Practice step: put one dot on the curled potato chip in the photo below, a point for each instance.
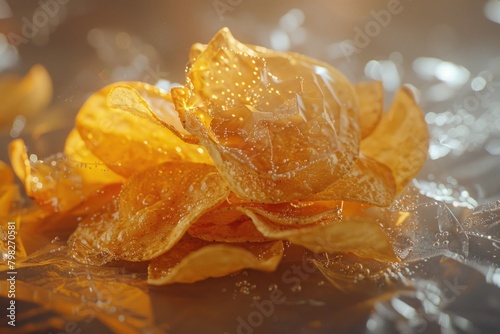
(56, 183)
(150, 102)
(157, 206)
(371, 105)
(25, 96)
(229, 223)
(87, 242)
(284, 134)
(401, 139)
(9, 192)
(193, 260)
(351, 234)
(297, 213)
(119, 127)
(279, 126)
(369, 182)
(226, 224)
(97, 172)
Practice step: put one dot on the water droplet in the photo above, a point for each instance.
(148, 200)
(358, 267)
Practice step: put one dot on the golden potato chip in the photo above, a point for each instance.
(25, 96)
(96, 171)
(351, 234)
(371, 105)
(19, 160)
(150, 102)
(193, 260)
(96, 200)
(226, 224)
(369, 182)
(87, 242)
(241, 230)
(39, 227)
(55, 183)
(123, 137)
(279, 126)
(401, 139)
(157, 206)
(314, 225)
(298, 212)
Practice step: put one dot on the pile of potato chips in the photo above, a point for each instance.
(258, 149)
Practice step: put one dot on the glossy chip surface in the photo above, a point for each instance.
(156, 207)
(226, 224)
(279, 126)
(119, 127)
(55, 183)
(350, 234)
(369, 182)
(258, 150)
(401, 139)
(192, 260)
(371, 105)
(96, 171)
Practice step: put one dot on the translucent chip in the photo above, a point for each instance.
(226, 224)
(55, 183)
(371, 105)
(118, 126)
(93, 170)
(401, 139)
(150, 102)
(279, 126)
(193, 260)
(368, 182)
(351, 234)
(298, 212)
(88, 242)
(157, 206)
